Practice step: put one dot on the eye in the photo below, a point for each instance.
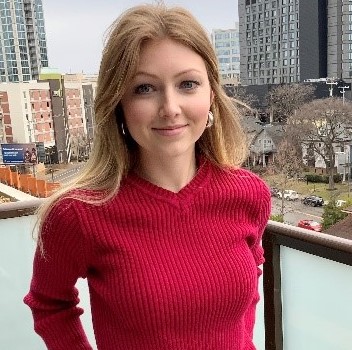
(143, 89)
(189, 84)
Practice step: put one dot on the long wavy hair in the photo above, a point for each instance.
(113, 154)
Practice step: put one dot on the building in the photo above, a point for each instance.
(339, 41)
(227, 48)
(26, 113)
(23, 50)
(282, 41)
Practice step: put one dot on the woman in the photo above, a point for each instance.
(163, 223)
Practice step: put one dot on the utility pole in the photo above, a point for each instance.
(331, 82)
(264, 162)
(343, 88)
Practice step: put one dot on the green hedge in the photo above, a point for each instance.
(323, 178)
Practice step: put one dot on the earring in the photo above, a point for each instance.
(210, 121)
(123, 129)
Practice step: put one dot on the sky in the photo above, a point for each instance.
(75, 29)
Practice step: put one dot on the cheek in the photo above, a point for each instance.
(199, 113)
(137, 113)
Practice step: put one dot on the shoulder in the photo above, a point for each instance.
(242, 178)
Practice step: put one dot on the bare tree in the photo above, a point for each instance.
(285, 99)
(286, 165)
(244, 101)
(321, 126)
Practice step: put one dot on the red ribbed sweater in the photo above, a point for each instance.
(166, 271)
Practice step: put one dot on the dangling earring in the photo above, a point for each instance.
(123, 129)
(210, 121)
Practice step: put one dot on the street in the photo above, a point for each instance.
(295, 211)
(66, 174)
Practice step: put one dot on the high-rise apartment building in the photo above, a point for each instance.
(283, 41)
(339, 23)
(227, 47)
(23, 50)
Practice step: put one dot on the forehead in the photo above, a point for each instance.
(168, 52)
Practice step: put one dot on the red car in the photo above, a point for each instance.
(310, 225)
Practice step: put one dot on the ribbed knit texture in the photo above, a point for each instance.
(166, 271)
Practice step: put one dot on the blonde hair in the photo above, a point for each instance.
(113, 154)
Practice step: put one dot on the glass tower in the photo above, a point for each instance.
(227, 48)
(23, 50)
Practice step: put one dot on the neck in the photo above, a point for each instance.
(170, 174)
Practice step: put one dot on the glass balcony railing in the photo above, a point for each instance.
(307, 290)
(306, 287)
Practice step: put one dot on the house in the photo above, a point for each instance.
(265, 144)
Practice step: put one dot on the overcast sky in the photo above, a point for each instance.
(75, 28)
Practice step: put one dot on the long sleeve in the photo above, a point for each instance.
(264, 209)
(53, 297)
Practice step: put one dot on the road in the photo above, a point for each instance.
(295, 211)
(65, 175)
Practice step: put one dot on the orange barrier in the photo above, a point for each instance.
(15, 179)
(24, 182)
(5, 175)
(28, 183)
(41, 188)
(52, 187)
(3, 172)
(32, 186)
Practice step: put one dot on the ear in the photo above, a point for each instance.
(212, 96)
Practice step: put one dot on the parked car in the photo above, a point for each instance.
(310, 225)
(313, 201)
(290, 195)
(340, 203)
(274, 191)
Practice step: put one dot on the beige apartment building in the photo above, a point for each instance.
(26, 113)
(56, 110)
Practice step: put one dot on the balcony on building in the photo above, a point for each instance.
(306, 287)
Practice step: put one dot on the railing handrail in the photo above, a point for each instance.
(321, 238)
(19, 208)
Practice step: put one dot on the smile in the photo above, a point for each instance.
(170, 130)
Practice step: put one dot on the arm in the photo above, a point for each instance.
(263, 210)
(53, 297)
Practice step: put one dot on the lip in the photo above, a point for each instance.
(171, 130)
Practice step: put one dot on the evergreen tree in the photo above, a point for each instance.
(332, 214)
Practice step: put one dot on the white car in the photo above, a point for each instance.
(340, 203)
(289, 195)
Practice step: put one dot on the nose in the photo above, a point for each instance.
(169, 104)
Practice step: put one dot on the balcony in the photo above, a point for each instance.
(306, 287)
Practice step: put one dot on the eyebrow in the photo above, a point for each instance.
(191, 70)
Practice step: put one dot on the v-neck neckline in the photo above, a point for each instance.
(179, 198)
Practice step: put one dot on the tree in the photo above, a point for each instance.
(285, 99)
(332, 214)
(244, 101)
(287, 165)
(320, 126)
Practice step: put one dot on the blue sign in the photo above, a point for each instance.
(19, 153)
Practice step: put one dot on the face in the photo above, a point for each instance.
(167, 102)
